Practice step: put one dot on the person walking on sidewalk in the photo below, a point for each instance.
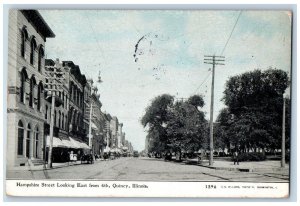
(236, 157)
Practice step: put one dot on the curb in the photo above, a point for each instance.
(245, 169)
(228, 168)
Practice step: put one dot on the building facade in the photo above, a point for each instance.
(76, 108)
(27, 33)
(119, 135)
(114, 124)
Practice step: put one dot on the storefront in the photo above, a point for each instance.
(65, 150)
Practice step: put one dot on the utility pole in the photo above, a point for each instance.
(285, 96)
(91, 110)
(55, 83)
(283, 135)
(214, 60)
(91, 117)
(90, 121)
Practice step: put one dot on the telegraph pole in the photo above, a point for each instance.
(283, 135)
(90, 123)
(91, 110)
(55, 83)
(51, 129)
(214, 60)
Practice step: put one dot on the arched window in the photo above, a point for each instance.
(66, 122)
(75, 96)
(62, 121)
(79, 99)
(63, 99)
(20, 138)
(22, 85)
(32, 49)
(46, 112)
(24, 36)
(66, 98)
(28, 140)
(40, 57)
(31, 92)
(39, 98)
(59, 118)
(36, 143)
(71, 90)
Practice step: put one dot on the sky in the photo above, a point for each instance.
(145, 53)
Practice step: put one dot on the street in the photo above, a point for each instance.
(148, 169)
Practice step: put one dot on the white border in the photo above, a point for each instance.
(183, 3)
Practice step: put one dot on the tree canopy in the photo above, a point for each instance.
(253, 116)
(176, 125)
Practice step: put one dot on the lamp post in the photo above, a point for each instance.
(285, 96)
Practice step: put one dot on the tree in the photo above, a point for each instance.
(187, 127)
(156, 117)
(175, 126)
(254, 103)
(221, 136)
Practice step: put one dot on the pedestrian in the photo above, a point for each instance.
(236, 157)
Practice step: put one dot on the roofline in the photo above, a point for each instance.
(49, 32)
(47, 26)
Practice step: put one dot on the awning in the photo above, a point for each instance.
(78, 145)
(75, 144)
(117, 150)
(56, 142)
(67, 143)
(84, 146)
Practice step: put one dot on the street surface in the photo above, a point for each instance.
(148, 169)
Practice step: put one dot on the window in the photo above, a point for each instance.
(62, 121)
(28, 140)
(24, 36)
(22, 85)
(23, 43)
(39, 99)
(32, 49)
(36, 143)
(63, 99)
(20, 138)
(46, 112)
(59, 119)
(66, 122)
(40, 57)
(31, 92)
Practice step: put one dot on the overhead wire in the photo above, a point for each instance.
(237, 19)
(204, 80)
(97, 42)
(228, 39)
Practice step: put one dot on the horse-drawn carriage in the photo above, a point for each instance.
(87, 158)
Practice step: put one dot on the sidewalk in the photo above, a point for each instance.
(38, 172)
(261, 166)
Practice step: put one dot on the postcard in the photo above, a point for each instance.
(149, 103)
